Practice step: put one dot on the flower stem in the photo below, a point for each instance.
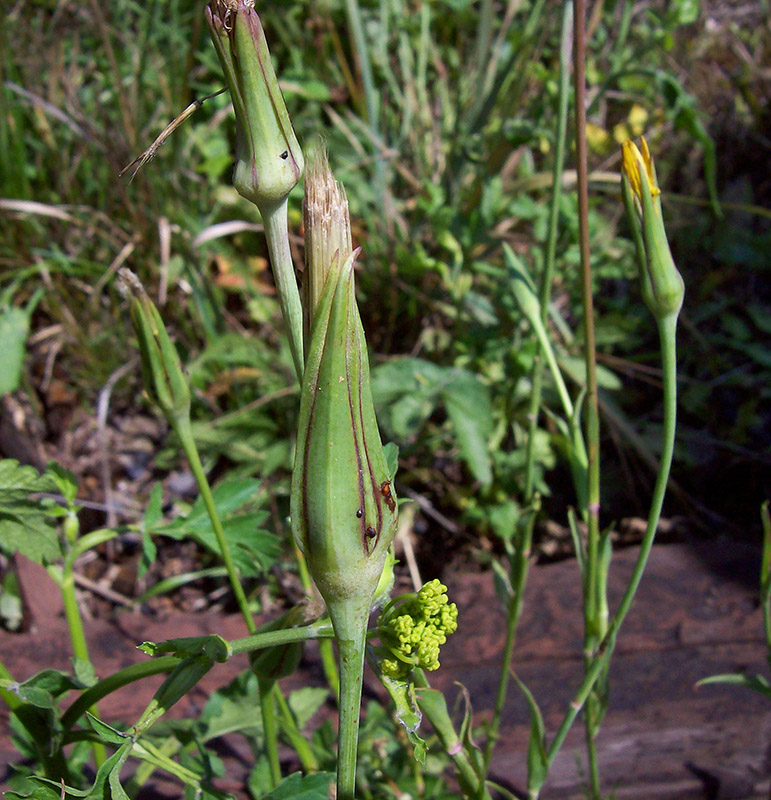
(276, 224)
(349, 619)
(184, 431)
(351, 654)
(66, 580)
(667, 331)
(520, 562)
(269, 730)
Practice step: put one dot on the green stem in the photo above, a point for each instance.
(304, 751)
(114, 682)
(667, 331)
(349, 618)
(593, 600)
(514, 613)
(436, 714)
(275, 221)
(161, 664)
(268, 712)
(521, 560)
(351, 652)
(66, 580)
(551, 238)
(765, 575)
(184, 431)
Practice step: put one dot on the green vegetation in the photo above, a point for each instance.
(509, 346)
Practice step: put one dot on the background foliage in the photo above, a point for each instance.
(445, 160)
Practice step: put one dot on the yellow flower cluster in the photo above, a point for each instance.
(414, 627)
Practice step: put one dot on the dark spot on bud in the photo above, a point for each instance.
(285, 155)
(385, 490)
(359, 513)
(371, 532)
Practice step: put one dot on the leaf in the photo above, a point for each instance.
(14, 328)
(407, 391)
(232, 709)
(407, 713)
(84, 672)
(152, 518)
(11, 606)
(104, 778)
(391, 452)
(253, 548)
(107, 733)
(467, 401)
(42, 689)
(212, 646)
(297, 787)
(755, 682)
(65, 482)
(306, 702)
(502, 583)
(24, 527)
(37, 792)
(537, 762)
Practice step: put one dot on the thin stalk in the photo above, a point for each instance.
(118, 680)
(765, 575)
(592, 583)
(184, 431)
(522, 560)
(161, 664)
(258, 641)
(667, 337)
(544, 293)
(300, 744)
(269, 729)
(519, 570)
(453, 746)
(276, 223)
(351, 654)
(66, 581)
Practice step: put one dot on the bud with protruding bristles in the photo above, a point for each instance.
(269, 161)
(327, 232)
(343, 507)
(164, 377)
(661, 284)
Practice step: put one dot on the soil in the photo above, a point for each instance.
(696, 615)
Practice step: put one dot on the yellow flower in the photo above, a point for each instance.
(661, 284)
(633, 162)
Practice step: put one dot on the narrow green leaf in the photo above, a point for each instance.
(14, 328)
(537, 762)
(107, 733)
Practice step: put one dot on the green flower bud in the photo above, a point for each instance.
(413, 627)
(164, 378)
(661, 284)
(269, 161)
(342, 505)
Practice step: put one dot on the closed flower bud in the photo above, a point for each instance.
(343, 506)
(269, 161)
(661, 284)
(164, 378)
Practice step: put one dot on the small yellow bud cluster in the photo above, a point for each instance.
(413, 628)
